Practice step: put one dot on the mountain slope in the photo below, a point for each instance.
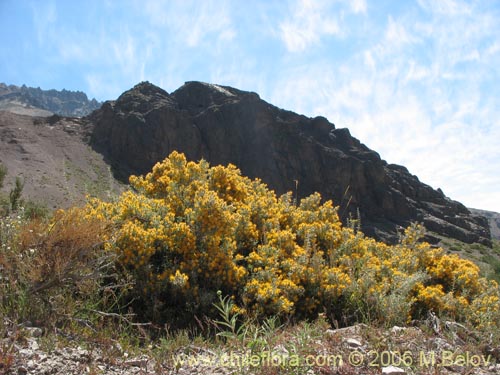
(289, 152)
(37, 102)
(51, 156)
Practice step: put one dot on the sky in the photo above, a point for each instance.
(417, 81)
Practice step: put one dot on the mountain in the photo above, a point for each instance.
(38, 102)
(288, 151)
(493, 219)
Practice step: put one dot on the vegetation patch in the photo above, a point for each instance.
(195, 259)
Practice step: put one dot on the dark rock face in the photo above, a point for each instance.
(63, 103)
(225, 125)
(493, 219)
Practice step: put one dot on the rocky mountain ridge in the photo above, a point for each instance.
(288, 151)
(38, 102)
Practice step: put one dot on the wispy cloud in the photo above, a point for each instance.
(358, 6)
(307, 24)
(43, 18)
(192, 21)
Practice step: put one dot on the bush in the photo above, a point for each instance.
(51, 270)
(186, 230)
(34, 210)
(3, 173)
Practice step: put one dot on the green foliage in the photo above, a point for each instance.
(229, 327)
(494, 263)
(35, 210)
(3, 173)
(15, 194)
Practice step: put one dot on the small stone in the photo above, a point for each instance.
(26, 353)
(392, 370)
(31, 364)
(280, 350)
(353, 343)
(137, 362)
(397, 329)
(22, 370)
(33, 344)
(34, 331)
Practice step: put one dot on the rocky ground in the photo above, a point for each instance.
(433, 348)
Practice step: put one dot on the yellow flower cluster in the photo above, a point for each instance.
(193, 229)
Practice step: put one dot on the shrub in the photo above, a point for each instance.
(186, 230)
(3, 173)
(15, 194)
(51, 269)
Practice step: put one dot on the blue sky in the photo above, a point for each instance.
(418, 81)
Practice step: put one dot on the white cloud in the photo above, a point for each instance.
(397, 35)
(44, 17)
(191, 21)
(447, 7)
(306, 25)
(358, 6)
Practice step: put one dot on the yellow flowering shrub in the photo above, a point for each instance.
(186, 230)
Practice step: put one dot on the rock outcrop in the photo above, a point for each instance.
(493, 219)
(289, 152)
(37, 102)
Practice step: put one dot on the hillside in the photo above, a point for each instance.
(37, 102)
(288, 151)
(51, 156)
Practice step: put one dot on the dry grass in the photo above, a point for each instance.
(49, 268)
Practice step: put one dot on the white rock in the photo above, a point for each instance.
(392, 370)
(280, 350)
(353, 343)
(397, 329)
(31, 364)
(33, 344)
(26, 352)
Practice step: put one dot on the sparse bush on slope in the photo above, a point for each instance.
(186, 230)
(52, 271)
